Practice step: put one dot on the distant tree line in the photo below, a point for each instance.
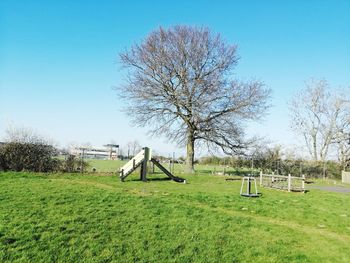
(271, 160)
(27, 151)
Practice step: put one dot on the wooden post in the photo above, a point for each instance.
(248, 185)
(147, 153)
(143, 171)
(122, 175)
(289, 182)
(303, 182)
(146, 157)
(261, 178)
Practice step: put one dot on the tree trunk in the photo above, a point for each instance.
(190, 152)
(324, 169)
(314, 147)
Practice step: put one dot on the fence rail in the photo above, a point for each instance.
(283, 182)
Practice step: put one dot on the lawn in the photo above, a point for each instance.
(112, 166)
(97, 218)
(105, 166)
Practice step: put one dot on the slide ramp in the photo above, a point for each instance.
(164, 170)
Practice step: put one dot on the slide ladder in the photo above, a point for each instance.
(133, 164)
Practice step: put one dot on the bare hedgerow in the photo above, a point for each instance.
(26, 150)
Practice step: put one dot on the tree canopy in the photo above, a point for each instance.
(180, 83)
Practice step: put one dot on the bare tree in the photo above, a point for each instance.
(180, 82)
(133, 147)
(342, 135)
(343, 148)
(25, 135)
(121, 152)
(320, 116)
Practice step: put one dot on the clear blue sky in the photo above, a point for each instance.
(58, 59)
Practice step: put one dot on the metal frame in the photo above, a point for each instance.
(249, 180)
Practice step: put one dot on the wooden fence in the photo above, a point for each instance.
(345, 177)
(283, 182)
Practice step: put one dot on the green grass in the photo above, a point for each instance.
(105, 166)
(112, 166)
(94, 218)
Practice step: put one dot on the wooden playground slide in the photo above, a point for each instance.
(141, 159)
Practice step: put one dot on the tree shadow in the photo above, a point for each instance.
(151, 179)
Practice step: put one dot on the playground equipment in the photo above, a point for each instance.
(140, 160)
(248, 180)
(283, 182)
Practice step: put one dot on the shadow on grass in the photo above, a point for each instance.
(243, 173)
(230, 173)
(152, 179)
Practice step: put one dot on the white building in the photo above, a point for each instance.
(94, 153)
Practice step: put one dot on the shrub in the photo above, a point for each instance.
(3, 166)
(34, 157)
(72, 164)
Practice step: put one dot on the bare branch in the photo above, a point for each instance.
(179, 82)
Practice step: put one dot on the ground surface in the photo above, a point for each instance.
(95, 218)
(337, 189)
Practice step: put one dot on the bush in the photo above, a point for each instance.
(34, 157)
(72, 164)
(3, 166)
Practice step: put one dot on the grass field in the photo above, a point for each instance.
(105, 166)
(95, 218)
(112, 166)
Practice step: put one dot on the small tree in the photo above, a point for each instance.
(73, 164)
(180, 82)
(70, 163)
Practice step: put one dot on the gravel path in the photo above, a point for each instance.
(336, 189)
